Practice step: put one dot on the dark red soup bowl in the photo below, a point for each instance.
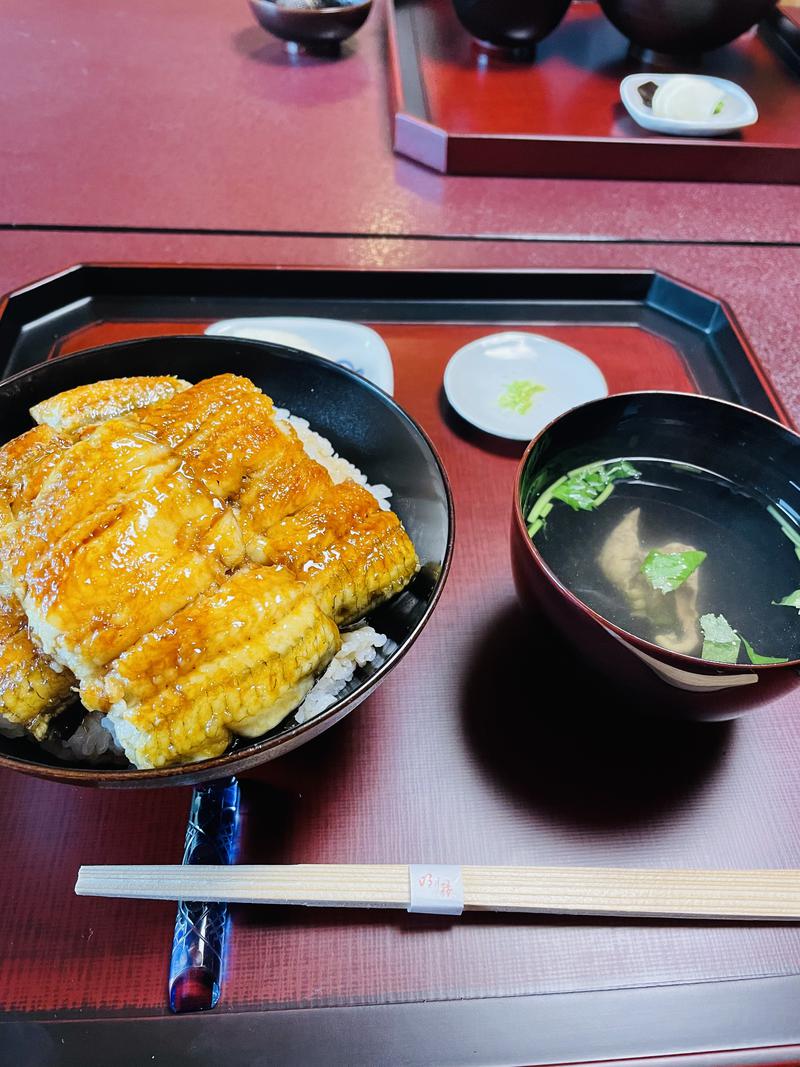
(739, 452)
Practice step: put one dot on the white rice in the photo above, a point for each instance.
(122, 732)
(95, 739)
(359, 647)
(92, 743)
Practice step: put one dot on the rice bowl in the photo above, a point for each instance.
(385, 441)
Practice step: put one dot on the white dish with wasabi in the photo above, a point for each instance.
(687, 105)
(512, 384)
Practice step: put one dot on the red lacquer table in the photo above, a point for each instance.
(177, 115)
(177, 132)
(459, 756)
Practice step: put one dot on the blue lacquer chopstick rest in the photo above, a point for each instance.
(198, 946)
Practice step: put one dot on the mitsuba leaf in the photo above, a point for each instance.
(754, 657)
(721, 643)
(587, 488)
(790, 601)
(667, 571)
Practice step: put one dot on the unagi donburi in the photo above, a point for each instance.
(184, 558)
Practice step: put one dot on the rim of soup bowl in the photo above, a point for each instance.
(695, 663)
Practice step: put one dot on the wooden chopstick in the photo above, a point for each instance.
(683, 894)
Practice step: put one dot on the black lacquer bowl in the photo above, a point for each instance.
(749, 450)
(363, 424)
(319, 28)
(684, 27)
(512, 26)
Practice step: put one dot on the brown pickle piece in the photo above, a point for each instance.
(647, 90)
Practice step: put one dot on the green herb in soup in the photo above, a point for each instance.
(790, 601)
(665, 571)
(589, 487)
(673, 554)
(754, 657)
(790, 531)
(583, 489)
(721, 643)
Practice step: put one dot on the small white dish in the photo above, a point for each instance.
(739, 111)
(513, 384)
(350, 344)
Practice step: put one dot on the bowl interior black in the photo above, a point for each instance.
(363, 424)
(749, 449)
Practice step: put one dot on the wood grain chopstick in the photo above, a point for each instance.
(609, 891)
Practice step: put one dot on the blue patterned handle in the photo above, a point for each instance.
(198, 947)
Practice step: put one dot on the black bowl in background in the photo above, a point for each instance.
(320, 28)
(363, 424)
(750, 450)
(514, 26)
(684, 27)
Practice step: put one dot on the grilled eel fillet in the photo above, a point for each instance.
(335, 538)
(119, 537)
(33, 687)
(349, 554)
(122, 562)
(32, 692)
(100, 401)
(235, 661)
(226, 433)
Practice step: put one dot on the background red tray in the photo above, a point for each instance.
(464, 755)
(562, 117)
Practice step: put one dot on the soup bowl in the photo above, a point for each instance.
(751, 452)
